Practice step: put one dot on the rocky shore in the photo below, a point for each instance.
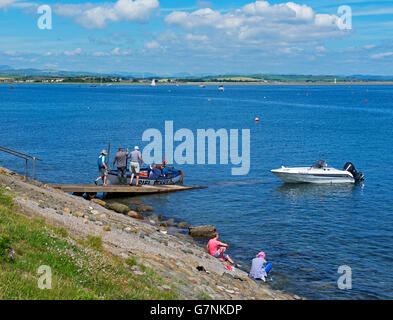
(130, 232)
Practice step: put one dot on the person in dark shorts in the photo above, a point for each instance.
(121, 159)
(102, 167)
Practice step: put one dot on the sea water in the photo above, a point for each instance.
(307, 231)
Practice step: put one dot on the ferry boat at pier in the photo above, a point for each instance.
(174, 176)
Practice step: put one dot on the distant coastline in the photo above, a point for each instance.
(232, 83)
(37, 76)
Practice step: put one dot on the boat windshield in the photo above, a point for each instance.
(320, 164)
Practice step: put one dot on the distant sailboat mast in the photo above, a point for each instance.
(221, 86)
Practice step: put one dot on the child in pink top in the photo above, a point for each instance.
(213, 248)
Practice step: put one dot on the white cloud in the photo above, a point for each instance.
(260, 21)
(369, 46)
(75, 52)
(167, 36)
(152, 45)
(320, 49)
(97, 17)
(100, 54)
(326, 20)
(382, 55)
(115, 51)
(10, 53)
(196, 37)
(6, 3)
(201, 17)
(384, 11)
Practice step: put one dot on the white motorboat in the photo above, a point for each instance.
(319, 173)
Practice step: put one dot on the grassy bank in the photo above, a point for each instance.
(81, 269)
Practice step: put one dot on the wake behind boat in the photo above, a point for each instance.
(173, 176)
(319, 173)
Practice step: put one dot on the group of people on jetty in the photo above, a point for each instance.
(259, 266)
(121, 159)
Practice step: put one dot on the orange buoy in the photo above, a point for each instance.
(256, 119)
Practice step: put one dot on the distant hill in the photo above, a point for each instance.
(6, 70)
(376, 78)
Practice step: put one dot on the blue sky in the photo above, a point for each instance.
(200, 37)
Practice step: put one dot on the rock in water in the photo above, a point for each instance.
(183, 225)
(143, 208)
(202, 231)
(170, 222)
(135, 215)
(118, 207)
(98, 201)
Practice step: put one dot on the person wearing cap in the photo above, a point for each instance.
(259, 267)
(135, 157)
(102, 167)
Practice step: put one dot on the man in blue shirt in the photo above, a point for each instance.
(102, 167)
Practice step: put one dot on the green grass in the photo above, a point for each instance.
(94, 242)
(204, 296)
(80, 269)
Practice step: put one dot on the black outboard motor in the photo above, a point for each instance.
(358, 176)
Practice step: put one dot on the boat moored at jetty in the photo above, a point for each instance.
(174, 176)
(320, 172)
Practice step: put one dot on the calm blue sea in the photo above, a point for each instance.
(306, 231)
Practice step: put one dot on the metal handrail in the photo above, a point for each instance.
(20, 155)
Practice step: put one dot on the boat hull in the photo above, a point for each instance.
(113, 179)
(313, 177)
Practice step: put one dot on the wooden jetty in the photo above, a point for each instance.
(146, 189)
